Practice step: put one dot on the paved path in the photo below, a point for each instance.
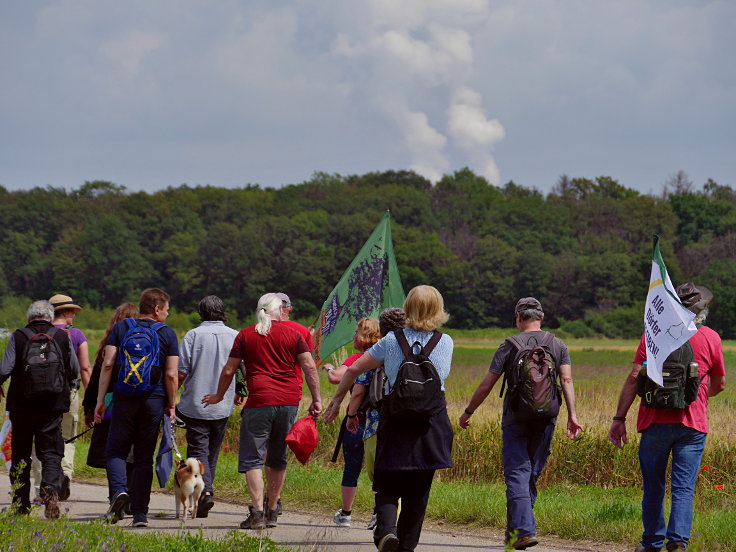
(302, 531)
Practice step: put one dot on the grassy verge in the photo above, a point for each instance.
(27, 534)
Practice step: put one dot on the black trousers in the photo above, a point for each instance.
(412, 487)
(204, 439)
(43, 428)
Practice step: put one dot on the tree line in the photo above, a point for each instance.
(584, 249)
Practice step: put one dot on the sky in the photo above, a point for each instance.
(233, 92)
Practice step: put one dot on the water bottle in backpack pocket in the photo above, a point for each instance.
(680, 381)
(43, 365)
(138, 359)
(533, 392)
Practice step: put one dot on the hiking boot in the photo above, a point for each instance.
(389, 543)
(372, 523)
(51, 501)
(255, 520)
(679, 545)
(140, 520)
(117, 506)
(527, 541)
(279, 510)
(206, 502)
(65, 488)
(343, 520)
(641, 548)
(272, 518)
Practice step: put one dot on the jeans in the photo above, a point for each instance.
(526, 447)
(686, 446)
(204, 439)
(135, 421)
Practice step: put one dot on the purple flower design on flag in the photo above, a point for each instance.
(365, 286)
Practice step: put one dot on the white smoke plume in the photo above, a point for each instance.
(413, 54)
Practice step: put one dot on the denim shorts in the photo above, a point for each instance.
(263, 433)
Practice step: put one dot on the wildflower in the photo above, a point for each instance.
(719, 487)
(705, 468)
(226, 448)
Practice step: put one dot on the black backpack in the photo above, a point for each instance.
(43, 365)
(417, 392)
(532, 379)
(680, 379)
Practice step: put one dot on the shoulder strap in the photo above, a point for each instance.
(131, 323)
(52, 332)
(547, 340)
(27, 332)
(515, 340)
(403, 343)
(432, 343)
(157, 326)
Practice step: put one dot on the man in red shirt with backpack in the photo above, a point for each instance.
(680, 433)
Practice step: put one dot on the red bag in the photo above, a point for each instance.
(303, 438)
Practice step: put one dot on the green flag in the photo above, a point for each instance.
(370, 284)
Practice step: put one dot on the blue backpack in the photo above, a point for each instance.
(138, 355)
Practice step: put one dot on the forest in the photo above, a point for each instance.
(584, 249)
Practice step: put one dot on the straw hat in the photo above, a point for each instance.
(62, 302)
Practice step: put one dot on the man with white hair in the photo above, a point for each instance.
(270, 350)
(38, 362)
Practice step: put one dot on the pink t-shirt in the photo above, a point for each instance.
(708, 353)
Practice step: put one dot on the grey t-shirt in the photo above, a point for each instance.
(505, 356)
(202, 356)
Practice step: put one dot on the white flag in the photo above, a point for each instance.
(667, 324)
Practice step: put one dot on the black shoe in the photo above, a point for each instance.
(255, 520)
(279, 509)
(389, 543)
(140, 520)
(206, 502)
(117, 507)
(65, 488)
(51, 501)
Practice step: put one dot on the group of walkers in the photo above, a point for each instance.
(396, 423)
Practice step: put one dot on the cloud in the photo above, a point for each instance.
(129, 49)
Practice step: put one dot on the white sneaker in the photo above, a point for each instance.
(341, 519)
(372, 523)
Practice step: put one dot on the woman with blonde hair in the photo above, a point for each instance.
(408, 452)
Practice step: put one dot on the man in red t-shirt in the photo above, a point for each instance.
(270, 349)
(680, 433)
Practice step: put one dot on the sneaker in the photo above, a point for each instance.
(372, 523)
(389, 543)
(206, 502)
(641, 548)
(52, 506)
(140, 520)
(527, 541)
(272, 518)
(65, 488)
(341, 519)
(255, 520)
(679, 545)
(117, 506)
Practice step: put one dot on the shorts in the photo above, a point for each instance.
(263, 433)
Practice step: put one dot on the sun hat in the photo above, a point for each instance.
(695, 298)
(61, 302)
